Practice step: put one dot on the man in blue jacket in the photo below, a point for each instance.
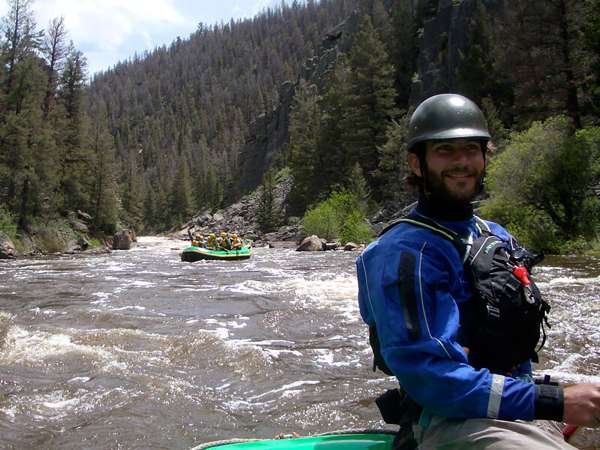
(416, 296)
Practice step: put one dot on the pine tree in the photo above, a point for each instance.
(305, 118)
(54, 50)
(266, 213)
(76, 177)
(133, 190)
(335, 166)
(181, 195)
(357, 186)
(20, 137)
(21, 40)
(393, 167)
(105, 193)
(152, 221)
(371, 103)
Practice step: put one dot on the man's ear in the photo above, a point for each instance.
(414, 163)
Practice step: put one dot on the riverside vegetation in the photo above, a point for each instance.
(153, 139)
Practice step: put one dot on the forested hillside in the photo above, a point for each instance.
(180, 115)
(156, 138)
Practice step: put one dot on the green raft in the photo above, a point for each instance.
(193, 253)
(343, 440)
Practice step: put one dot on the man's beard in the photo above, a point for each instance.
(437, 190)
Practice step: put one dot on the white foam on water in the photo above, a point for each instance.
(567, 377)
(241, 405)
(284, 388)
(234, 325)
(251, 287)
(338, 293)
(133, 307)
(569, 361)
(56, 400)
(221, 333)
(291, 394)
(114, 266)
(272, 353)
(326, 357)
(194, 289)
(31, 348)
(46, 312)
(140, 283)
(566, 280)
(266, 342)
(102, 298)
(79, 380)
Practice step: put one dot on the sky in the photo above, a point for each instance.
(109, 31)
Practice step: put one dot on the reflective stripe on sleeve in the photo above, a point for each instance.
(495, 396)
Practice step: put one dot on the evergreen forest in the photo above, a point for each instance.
(153, 140)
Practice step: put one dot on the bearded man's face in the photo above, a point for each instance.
(455, 169)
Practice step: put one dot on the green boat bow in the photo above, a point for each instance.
(350, 440)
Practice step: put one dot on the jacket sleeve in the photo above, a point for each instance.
(407, 295)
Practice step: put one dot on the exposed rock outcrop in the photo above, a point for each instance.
(270, 134)
(241, 217)
(7, 248)
(442, 44)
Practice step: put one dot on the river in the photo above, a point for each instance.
(135, 349)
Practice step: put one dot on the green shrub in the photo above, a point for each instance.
(532, 227)
(540, 186)
(322, 220)
(95, 243)
(355, 229)
(341, 217)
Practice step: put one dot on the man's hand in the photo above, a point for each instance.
(582, 404)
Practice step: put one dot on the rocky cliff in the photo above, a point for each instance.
(442, 40)
(269, 135)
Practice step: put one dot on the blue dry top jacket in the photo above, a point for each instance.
(411, 283)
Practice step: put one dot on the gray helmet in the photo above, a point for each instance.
(446, 116)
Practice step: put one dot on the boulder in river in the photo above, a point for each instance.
(351, 246)
(311, 244)
(124, 240)
(332, 245)
(7, 248)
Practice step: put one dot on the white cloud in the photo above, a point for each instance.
(108, 31)
(110, 23)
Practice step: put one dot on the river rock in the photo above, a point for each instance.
(331, 245)
(311, 244)
(124, 240)
(7, 248)
(351, 246)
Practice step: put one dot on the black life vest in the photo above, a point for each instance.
(501, 326)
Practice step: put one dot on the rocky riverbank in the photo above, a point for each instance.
(70, 235)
